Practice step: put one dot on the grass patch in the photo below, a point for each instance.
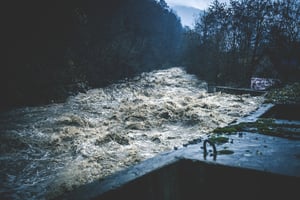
(219, 139)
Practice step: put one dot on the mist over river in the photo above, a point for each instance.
(51, 149)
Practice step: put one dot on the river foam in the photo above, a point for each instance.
(48, 150)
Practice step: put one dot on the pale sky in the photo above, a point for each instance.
(188, 17)
(200, 4)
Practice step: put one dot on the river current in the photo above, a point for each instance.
(51, 149)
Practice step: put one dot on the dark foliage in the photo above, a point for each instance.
(233, 42)
(56, 47)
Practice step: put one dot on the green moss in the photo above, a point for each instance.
(227, 129)
(263, 126)
(287, 94)
(225, 152)
(265, 121)
(266, 126)
(219, 139)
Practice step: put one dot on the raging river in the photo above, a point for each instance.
(50, 149)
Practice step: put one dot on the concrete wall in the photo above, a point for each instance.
(188, 179)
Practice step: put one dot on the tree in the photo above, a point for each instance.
(234, 38)
(54, 46)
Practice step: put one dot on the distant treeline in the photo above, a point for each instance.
(57, 47)
(232, 42)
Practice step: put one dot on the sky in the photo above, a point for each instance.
(200, 4)
(187, 10)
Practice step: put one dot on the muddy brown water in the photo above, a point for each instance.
(48, 150)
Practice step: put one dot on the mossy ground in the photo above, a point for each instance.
(217, 139)
(225, 152)
(263, 126)
(289, 94)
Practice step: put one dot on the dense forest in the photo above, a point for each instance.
(55, 48)
(230, 43)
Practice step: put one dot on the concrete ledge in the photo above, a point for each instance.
(239, 91)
